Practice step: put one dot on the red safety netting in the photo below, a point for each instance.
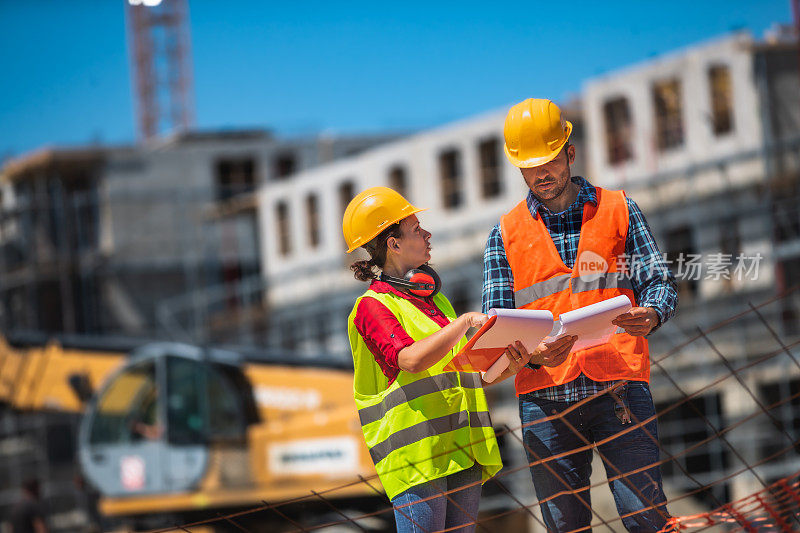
(774, 508)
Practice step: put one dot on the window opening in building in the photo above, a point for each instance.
(450, 174)
(285, 164)
(312, 220)
(669, 114)
(684, 261)
(719, 82)
(490, 168)
(398, 180)
(787, 415)
(284, 236)
(234, 177)
(619, 130)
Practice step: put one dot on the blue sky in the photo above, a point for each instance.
(302, 67)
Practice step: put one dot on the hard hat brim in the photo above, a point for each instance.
(406, 214)
(539, 161)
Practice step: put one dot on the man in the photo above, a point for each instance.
(571, 244)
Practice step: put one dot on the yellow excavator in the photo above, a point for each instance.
(190, 432)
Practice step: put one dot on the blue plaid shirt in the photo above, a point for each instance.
(653, 283)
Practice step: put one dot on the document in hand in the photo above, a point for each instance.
(592, 324)
(485, 350)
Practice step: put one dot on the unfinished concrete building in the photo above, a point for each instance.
(95, 239)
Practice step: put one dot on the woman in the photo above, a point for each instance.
(428, 430)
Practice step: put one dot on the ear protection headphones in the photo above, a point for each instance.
(422, 281)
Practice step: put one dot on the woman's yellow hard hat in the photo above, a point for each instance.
(535, 132)
(371, 212)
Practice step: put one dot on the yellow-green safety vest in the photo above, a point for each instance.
(425, 425)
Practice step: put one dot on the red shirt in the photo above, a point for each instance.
(382, 332)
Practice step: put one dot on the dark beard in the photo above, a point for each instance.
(556, 195)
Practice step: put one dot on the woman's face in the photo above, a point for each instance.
(413, 246)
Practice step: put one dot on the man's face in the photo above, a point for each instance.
(548, 181)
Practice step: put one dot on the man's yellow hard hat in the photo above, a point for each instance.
(371, 212)
(535, 132)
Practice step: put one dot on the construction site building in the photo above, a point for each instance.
(95, 239)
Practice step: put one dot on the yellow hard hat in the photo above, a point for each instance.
(535, 132)
(371, 212)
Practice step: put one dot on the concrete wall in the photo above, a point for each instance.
(161, 230)
(690, 67)
(160, 196)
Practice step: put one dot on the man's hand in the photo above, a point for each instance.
(553, 353)
(639, 321)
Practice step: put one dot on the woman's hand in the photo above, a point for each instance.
(518, 357)
(474, 320)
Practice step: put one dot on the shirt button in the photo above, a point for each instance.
(433, 312)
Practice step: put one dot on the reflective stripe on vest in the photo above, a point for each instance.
(406, 393)
(559, 283)
(428, 428)
(425, 425)
(543, 281)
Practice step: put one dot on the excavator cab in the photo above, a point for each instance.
(152, 426)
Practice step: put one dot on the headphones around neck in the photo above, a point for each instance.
(422, 281)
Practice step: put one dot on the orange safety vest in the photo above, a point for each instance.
(543, 281)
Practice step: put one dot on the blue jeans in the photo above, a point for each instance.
(595, 420)
(436, 514)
